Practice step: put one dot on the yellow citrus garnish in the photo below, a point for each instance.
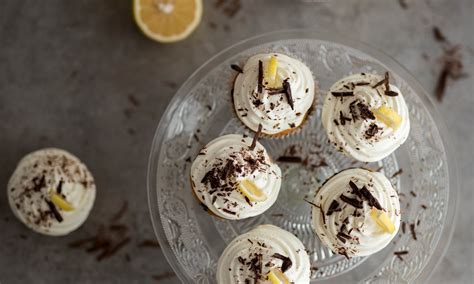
(381, 218)
(388, 116)
(276, 276)
(251, 191)
(167, 20)
(60, 202)
(271, 71)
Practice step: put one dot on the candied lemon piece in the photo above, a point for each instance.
(61, 203)
(381, 218)
(251, 191)
(272, 70)
(388, 116)
(167, 21)
(276, 276)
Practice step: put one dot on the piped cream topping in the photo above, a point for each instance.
(271, 106)
(350, 117)
(227, 173)
(251, 257)
(51, 192)
(342, 212)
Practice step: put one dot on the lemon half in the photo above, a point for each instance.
(167, 20)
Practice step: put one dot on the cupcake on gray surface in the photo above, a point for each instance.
(51, 192)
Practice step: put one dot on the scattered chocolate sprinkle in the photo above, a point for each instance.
(289, 159)
(55, 211)
(370, 198)
(371, 131)
(241, 260)
(255, 137)
(351, 201)
(260, 77)
(387, 81)
(399, 254)
(133, 100)
(276, 91)
(149, 244)
(343, 94)
(336, 123)
(362, 84)
(413, 232)
(403, 4)
(163, 276)
(287, 263)
(391, 93)
(80, 243)
(228, 211)
(452, 69)
(114, 249)
(236, 68)
(312, 204)
(438, 35)
(423, 206)
(120, 213)
(412, 193)
(332, 207)
(379, 83)
(343, 237)
(342, 118)
(277, 215)
(403, 227)
(289, 97)
(59, 188)
(355, 189)
(397, 173)
(364, 111)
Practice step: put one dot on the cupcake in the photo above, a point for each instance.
(356, 212)
(234, 178)
(266, 254)
(273, 90)
(51, 192)
(365, 117)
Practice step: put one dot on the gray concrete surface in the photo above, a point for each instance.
(67, 69)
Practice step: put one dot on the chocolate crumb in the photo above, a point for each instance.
(236, 68)
(403, 227)
(413, 232)
(255, 137)
(397, 173)
(412, 193)
(289, 97)
(260, 77)
(55, 211)
(438, 35)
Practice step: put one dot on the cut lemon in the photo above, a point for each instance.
(276, 276)
(167, 20)
(271, 71)
(251, 191)
(388, 117)
(61, 203)
(381, 218)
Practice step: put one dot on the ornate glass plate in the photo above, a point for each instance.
(192, 240)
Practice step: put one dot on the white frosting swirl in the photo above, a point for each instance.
(39, 174)
(273, 111)
(234, 264)
(221, 194)
(350, 137)
(366, 236)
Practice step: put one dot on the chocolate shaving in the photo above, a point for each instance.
(391, 93)
(387, 81)
(113, 250)
(236, 68)
(397, 173)
(343, 94)
(351, 201)
(55, 211)
(260, 77)
(149, 244)
(403, 227)
(120, 213)
(59, 188)
(365, 112)
(312, 203)
(370, 198)
(289, 159)
(336, 123)
(355, 189)
(287, 263)
(289, 97)
(163, 276)
(228, 211)
(255, 137)
(400, 253)
(379, 83)
(342, 118)
(343, 237)
(438, 35)
(412, 193)
(413, 232)
(276, 91)
(332, 207)
(371, 131)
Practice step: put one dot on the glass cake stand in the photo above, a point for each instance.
(192, 240)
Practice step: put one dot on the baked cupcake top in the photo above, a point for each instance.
(262, 254)
(356, 212)
(234, 177)
(365, 117)
(51, 192)
(273, 90)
